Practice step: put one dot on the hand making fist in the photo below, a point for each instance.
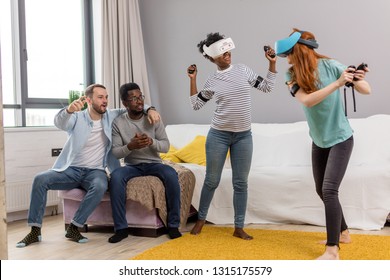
(76, 105)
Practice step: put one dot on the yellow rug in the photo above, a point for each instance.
(217, 243)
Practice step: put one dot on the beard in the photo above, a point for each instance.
(99, 109)
(137, 113)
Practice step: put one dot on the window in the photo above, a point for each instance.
(6, 62)
(45, 52)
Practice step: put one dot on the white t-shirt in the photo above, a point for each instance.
(92, 155)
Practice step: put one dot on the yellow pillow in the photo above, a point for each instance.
(170, 155)
(194, 152)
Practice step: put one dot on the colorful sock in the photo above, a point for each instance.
(32, 237)
(73, 233)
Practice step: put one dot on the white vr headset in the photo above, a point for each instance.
(219, 48)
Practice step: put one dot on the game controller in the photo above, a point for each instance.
(266, 49)
(191, 71)
(362, 66)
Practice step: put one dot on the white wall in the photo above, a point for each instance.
(28, 151)
(351, 31)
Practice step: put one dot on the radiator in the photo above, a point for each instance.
(18, 196)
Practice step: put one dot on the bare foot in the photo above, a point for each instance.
(240, 233)
(331, 253)
(198, 227)
(345, 238)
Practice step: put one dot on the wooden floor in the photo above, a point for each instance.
(56, 247)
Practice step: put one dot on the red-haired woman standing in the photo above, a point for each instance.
(315, 80)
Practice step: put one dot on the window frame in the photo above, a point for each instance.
(20, 61)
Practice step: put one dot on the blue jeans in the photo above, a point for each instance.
(122, 175)
(218, 144)
(329, 167)
(93, 181)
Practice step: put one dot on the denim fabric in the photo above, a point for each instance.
(79, 126)
(93, 181)
(122, 175)
(329, 166)
(218, 144)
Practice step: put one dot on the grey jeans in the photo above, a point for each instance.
(329, 167)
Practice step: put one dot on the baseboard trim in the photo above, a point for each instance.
(148, 232)
(136, 231)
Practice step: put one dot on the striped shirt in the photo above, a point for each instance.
(231, 90)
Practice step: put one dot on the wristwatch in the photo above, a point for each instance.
(151, 108)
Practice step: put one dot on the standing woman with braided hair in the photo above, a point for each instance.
(315, 80)
(230, 130)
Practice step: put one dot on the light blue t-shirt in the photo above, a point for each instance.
(327, 121)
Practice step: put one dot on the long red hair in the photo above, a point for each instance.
(304, 62)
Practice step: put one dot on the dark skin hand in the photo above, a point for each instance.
(139, 141)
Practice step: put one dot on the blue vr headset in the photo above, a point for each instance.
(285, 46)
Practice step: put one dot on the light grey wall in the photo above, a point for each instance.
(351, 31)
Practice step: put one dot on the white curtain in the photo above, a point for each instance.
(123, 56)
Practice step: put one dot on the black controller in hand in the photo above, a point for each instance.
(191, 71)
(266, 48)
(362, 66)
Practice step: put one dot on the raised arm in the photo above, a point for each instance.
(64, 119)
(192, 72)
(197, 99)
(312, 99)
